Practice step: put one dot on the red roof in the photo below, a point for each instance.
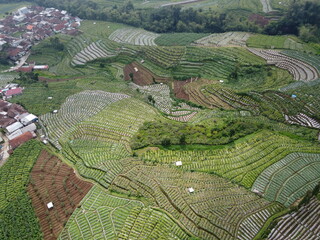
(29, 27)
(59, 27)
(25, 69)
(12, 92)
(16, 142)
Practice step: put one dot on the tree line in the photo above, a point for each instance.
(302, 18)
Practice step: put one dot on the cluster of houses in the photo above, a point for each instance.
(18, 125)
(20, 30)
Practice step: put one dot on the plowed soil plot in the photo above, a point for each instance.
(178, 90)
(53, 181)
(141, 75)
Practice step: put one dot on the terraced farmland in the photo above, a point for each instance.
(160, 94)
(77, 108)
(277, 42)
(300, 70)
(212, 63)
(165, 56)
(214, 210)
(290, 178)
(224, 39)
(134, 36)
(242, 163)
(107, 217)
(99, 146)
(303, 224)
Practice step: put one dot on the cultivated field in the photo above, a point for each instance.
(134, 36)
(53, 181)
(16, 212)
(224, 39)
(303, 224)
(215, 210)
(290, 178)
(242, 163)
(102, 216)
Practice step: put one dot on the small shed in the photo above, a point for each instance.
(190, 190)
(49, 98)
(221, 81)
(55, 111)
(294, 96)
(178, 163)
(50, 205)
(135, 69)
(14, 127)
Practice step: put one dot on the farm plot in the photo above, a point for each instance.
(303, 120)
(214, 210)
(290, 178)
(93, 51)
(213, 63)
(224, 39)
(160, 98)
(277, 42)
(311, 59)
(141, 75)
(16, 212)
(303, 224)
(99, 147)
(194, 89)
(178, 39)
(134, 36)
(164, 56)
(53, 181)
(280, 106)
(102, 216)
(76, 108)
(242, 163)
(7, 78)
(300, 70)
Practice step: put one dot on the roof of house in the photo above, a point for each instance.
(14, 134)
(14, 91)
(13, 127)
(16, 142)
(29, 27)
(29, 118)
(30, 128)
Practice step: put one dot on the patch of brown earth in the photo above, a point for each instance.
(53, 181)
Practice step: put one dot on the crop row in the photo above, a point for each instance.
(242, 163)
(290, 178)
(300, 70)
(106, 217)
(212, 211)
(304, 224)
(99, 146)
(162, 100)
(134, 36)
(224, 39)
(76, 108)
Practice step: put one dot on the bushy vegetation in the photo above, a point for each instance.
(17, 216)
(168, 133)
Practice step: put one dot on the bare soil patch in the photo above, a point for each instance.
(178, 89)
(141, 75)
(53, 181)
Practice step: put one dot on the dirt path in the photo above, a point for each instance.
(180, 3)
(266, 6)
(4, 155)
(20, 64)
